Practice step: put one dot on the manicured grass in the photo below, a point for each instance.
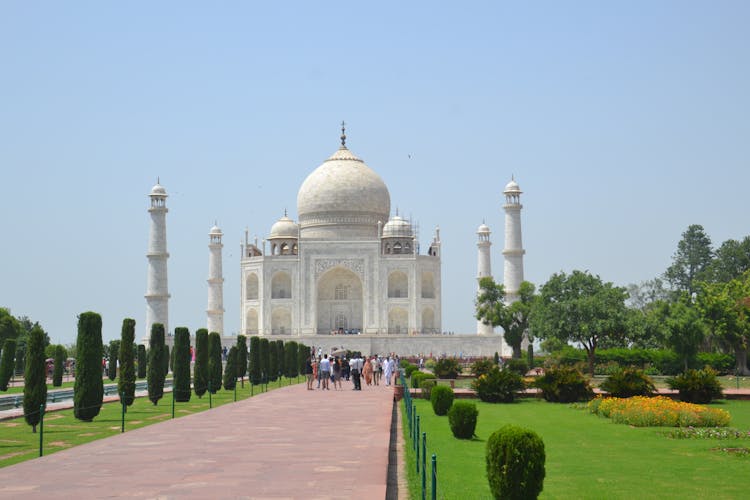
(65, 385)
(62, 430)
(587, 456)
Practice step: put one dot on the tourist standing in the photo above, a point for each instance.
(388, 370)
(337, 373)
(367, 371)
(356, 367)
(325, 371)
(309, 372)
(376, 370)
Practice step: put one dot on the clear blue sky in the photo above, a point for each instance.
(622, 122)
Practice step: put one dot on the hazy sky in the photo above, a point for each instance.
(623, 123)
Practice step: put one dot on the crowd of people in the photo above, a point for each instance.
(324, 371)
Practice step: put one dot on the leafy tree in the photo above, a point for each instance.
(513, 318)
(142, 361)
(255, 368)
(579, 307)
(35, 378)
(241, 358)
(156, 354)
(126, 382)
(59, 357)
(165, 360)
(684, 328)
(7, 363)
(690, 261)
(230, 370)
(265, 359)
(280, 356)
(726, 308)
(302, 353)
(181, 369)
(643, 295)
(88, 391)
(731, 261)
(200, 369)
(9, 327)
(273, 361)
(214, 362)
(114, 351)
(290, 361)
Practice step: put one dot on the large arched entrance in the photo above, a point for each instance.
(339, 302)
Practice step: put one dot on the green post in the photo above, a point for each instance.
(210, 401)
(737, 378)
(235, 391)
(417, 460)
(173, 391)
(424, 465)
(124, 409)
(251, 389)
(41, 430)
(434, 477)
(416, 436)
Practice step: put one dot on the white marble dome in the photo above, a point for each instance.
(342, 199)
(158, 190)
(483, 229)
(397, 228)
(215, 230)
(512, 187)
(284, 228)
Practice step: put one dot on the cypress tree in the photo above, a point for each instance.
(281, 357)
(88, 391)
(302, 353)
(60, 356)
(7, 363)
(181, 368)
(241, 358)
(126, 382)
(200, 370)
(142, 361)
(254, 365)
(35, 378)
(214, 362)
(265, 358)
(290, 363)
(273, 361)
(230, 370)
(114, 351)
(171, 359)
(165, 360)
(156, 354)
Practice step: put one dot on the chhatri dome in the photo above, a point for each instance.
(342, 199)
(284, 228)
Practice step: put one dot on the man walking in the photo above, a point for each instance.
(356, 367)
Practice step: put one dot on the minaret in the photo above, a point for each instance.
(484, 269)
(215, 309)
(513, 251)
(157, 294)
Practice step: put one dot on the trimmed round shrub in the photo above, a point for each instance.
(418, 377)
(441, 398)
(447, 368)
(628, 382)
(426, 386)
(498, 386)
(697, 386)
(564, 384)
(462, 418)
(409, 369)
(518, 365)
(515, 463)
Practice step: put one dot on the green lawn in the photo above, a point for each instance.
(62, 430)
(660, 381)
(587, 456)
(65, 385)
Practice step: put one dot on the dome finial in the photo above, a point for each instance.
(284, 212)
(343, 135)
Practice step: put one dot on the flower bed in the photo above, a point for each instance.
(660, 411)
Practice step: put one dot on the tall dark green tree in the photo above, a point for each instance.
(302, 353)
(9, 327)
(114, 352)
(156, 355)
(214, 362)
(181, 369)
(7, 363)
(690, 261)
(265, 358)
(165, 360)
(57, 374)
(273, 361)
(200, 369)
(513, 318)
(731, 261)
(230, 370)
(88, 391)
(580, 308)
(281, 357)
(684, 328)
(126, 382)
(241, 358)
(255, 368)
(35, 378)
(142, 361)
(290, 362)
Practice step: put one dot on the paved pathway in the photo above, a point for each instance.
(288, 443)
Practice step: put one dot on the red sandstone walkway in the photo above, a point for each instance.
(288, 443)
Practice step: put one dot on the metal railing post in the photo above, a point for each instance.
(124, 409)
(41, 430)
(424, 465)
(173, 396)
(210, 401)
(416, 436)
(434, 477)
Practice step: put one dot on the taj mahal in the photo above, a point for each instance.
(348, 274)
